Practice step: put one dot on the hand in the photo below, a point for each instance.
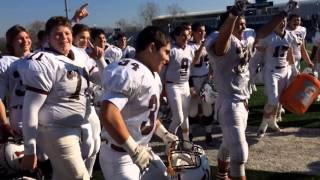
(142, 157)
(311, 65)
(29, 162)
(291, 5)
(239, 7)
(193, 92)
(169, 138)
(81, 13)
(7, 132)
(97, 52)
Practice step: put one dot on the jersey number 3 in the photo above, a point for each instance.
(153, 106)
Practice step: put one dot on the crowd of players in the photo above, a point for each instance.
(61, 94)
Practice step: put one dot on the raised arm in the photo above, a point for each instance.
(269, 27)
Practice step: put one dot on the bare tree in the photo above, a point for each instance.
(149, 11)
(33, 29)
(174, 10)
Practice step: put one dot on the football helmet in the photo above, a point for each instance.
(11, 154)
(208, 93)
(187, 161)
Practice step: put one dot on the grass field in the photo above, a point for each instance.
(311, 119)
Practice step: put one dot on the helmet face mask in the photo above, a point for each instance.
(11, 154)
(187, 161)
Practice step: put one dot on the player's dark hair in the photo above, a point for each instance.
(95, 32)
(185, 24)
(57, 21)
(120, 35)
(291, 16)
(11, 34)
(78, 28)
(177, 31)
(151, 34)
(196, 26)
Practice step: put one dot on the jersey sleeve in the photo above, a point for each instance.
(211, 39)
(3, 78)
(120, 84)
(37, 73)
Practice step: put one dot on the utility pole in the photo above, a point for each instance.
(66, 8)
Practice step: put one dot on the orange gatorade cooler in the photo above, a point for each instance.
(300, 94)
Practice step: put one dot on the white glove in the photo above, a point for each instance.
(141, 155)
(291, 5)
(169, 138)
(166, 136)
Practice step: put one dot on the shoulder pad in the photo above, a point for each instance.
(123, 77)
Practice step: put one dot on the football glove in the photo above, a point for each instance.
(291, 6)
(140, 155)
(239, 7)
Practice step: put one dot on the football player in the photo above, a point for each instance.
(199, 74)
(230, 53)
(122, 42)
(177, 75)
(18, 46)
(91, 131)
(55, 102)
(278, 47)
(299, 49)
(112, 53)
(130, 107)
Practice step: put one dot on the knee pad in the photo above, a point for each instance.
(207, 120)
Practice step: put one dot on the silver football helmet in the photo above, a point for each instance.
(11, 154)
(187, 161)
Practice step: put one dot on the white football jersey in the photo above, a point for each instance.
(231, 70)
(128, 52)
(135, 90)
(64, 81)
(201, 68)
(10, 80)
(300, 35)
(276, 49)
(112, 53)
(179, 66)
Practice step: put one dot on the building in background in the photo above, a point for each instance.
(256, 14)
